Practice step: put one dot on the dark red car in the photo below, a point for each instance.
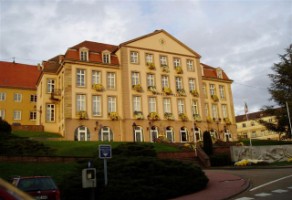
(39, 187)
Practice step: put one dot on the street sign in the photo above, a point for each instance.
(105, 151)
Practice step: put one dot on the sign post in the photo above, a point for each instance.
(105, 152)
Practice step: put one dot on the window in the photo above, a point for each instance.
(194, 107)
(214, 111)
(80, 102)
(252, 123)
(17, 97)
(17, 115)
(137, 103)
(2, 114)
(33, 98)
(178, 83)
(219, 73)
(180, 106)
(111, 104)
(190, 65)
(166, 105)
(50, 113)
(164, 81)
(176, 62)
(50, 85)
(206, 110)
(2, 96)
(212, 89)
(152, 104)
(135, 78)
(222, 91)
(150, 80)
(96, 105)
(111, 80)
(106, 134)
(84, 55)
(169, 134)
(106, 58)
(184, 134)
(163, 61)
(149, 58)
(134, 58)
(80, 77)
(192, 85)
(243, 125)
(224, 111)
(32, 115)
(205, 90)
(96, 77)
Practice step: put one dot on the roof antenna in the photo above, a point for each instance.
(13, 58)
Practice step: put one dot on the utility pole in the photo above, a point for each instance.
(289, 117)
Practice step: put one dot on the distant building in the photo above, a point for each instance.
(252, 128)
(18, 93)
(149, 87)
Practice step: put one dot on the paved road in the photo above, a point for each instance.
(268, 184)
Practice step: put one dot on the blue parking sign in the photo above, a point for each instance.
(105, 151)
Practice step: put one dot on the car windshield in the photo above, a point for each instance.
(40, 183)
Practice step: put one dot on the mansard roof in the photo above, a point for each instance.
(211, 72)
(17, 75)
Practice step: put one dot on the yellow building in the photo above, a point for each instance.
(145, 88)
(18, 93)
(249, 126)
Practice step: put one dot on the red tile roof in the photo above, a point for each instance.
(210, 72)
(254, 115)
(16, 75)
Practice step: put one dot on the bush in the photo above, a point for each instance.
(136, 177)
(220, 160)
(5, 127)
(207, 143)
(135, 149)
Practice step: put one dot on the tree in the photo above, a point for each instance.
(5, 127)
(207, 143)
(281, 92)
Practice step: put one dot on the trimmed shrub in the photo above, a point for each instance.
(207, 143)
(5, 127)
(220, 160)
(136, 177)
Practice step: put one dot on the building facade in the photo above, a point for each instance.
(248, 126)
(147, 88)
(18, 93)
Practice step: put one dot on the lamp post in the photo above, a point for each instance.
(134, 128)
(217, 122)
(195, 138)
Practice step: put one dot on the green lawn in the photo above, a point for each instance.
(31, 134)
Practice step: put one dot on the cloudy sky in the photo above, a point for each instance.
(244, 37)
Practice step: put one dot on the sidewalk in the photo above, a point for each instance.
(221, 186)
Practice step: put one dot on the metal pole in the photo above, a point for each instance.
(289, 118)
(250, 143)
(195, 140)
(105, 171)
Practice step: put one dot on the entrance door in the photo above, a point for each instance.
(153, 133)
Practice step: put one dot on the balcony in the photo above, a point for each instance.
(56, 95)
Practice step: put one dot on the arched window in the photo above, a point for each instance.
(197, 134)
(82, 134)
(105, 134)
(153, 133)
(184, 134)
(169, 134)
(138, 134)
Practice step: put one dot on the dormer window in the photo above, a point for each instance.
(84, 54)
(219, 73)
(106, 57)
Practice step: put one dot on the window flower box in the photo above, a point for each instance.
(151, 66)
(137, 87)
(138, 115)
(169, 116)
(215, 98)
(113, 115)
(153, 116)
(227, 121)
(183, 117)
(83, 115)
(167, 91)
(98, 87)
(165, 68)
(209, 119)
(152, 89)
(194, 93)
(197, 117)
(179, 70)
(181, 92)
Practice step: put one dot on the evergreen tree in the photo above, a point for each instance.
(281, 92)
